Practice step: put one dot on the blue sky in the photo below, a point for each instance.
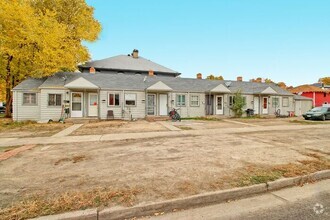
(285, 40)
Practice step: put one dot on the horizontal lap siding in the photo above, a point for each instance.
(122, 111)
(188, 110)
(51, 112)
(25, 112)
(283, 110)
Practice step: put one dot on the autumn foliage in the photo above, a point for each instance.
(41, 37)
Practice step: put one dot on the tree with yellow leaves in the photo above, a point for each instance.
(41, 37)
(325, 80)
(212, 77)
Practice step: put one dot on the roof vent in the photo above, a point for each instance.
(227, 84)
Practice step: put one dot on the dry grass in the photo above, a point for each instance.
(6, 149)
(39, 205)
(184, 127)
(306, 122)
(74, 159)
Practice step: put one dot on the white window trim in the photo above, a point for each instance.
(55, 106)
(176, 100)
(114, 93)
(30, 104)
(130, 100)
(198, 100)
(283, 102)
(278, 102)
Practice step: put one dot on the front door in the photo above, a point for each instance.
(256, 105)
(163, 104)
(209, 104)
(151, 109)
(93, 104)
(265, 105)
(76, 104)
(219, 105)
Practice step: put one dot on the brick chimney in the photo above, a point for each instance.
(199, 76)
(135, 53)
(92, 70)
(239, 79)
(151, 73)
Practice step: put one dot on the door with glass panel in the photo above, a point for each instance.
(151, 106)
(76, 104)
(219, 105)
(93, 103)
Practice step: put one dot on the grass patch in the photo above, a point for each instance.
(184, 127)
(9, 124)
(74, 159)
(306, 122)
(202, 119)
(6, 149)
(258, 176)
(39, 205)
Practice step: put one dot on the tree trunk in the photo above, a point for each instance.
(9, 97)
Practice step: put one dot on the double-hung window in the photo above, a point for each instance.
(29, 98)
(194, 100)
(285, 101)
(231, 101)
(180, 100)
(276, 102)
(113, 99)
(54, 99)
(130, 99)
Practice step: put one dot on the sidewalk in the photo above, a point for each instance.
(310, 200)
(142, 135)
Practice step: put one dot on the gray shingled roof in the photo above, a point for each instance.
(299, 97)
(30, 84)
(128, 63)
(141, 82)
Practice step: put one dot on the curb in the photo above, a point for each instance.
(116, 213)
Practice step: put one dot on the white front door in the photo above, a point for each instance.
(256, 105)
(265, 105)
(163, 104)
(93, 104)
(76, 104)
(219, 105)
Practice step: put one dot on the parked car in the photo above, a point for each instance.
(320, 113)
(2, 109)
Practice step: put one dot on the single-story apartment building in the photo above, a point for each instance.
(132, 87)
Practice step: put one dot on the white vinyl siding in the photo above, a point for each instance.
(24, 112)
(51, 112)
(122, 111)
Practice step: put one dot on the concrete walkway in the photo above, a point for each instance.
(68, 130)
(143, 135)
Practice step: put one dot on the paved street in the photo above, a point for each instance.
(308, 202)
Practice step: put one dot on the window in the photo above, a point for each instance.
(285, 102)
(231, 100)
(130, 99)
(180, 100)
(194, 100)
(113, 99)
(29, 98)
(54, 99)
(276, 102)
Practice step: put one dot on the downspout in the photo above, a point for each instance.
(99, 103)
(145, 103)
(188, 105)
(122, 105)
(314, 99)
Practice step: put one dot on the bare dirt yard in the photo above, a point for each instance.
(56, 178)
(118, 126)
(10, 129)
